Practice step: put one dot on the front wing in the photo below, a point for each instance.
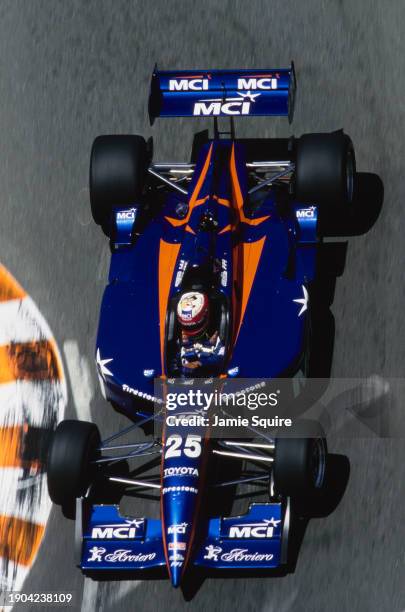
(258, 539)
(106, 540)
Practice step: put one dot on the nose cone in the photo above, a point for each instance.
(178, 546)
(179, 510)
(175, 575)
(180, 507)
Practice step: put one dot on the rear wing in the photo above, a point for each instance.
(215, 93)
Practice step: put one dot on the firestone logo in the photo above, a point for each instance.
(179, 490)
(139, 393)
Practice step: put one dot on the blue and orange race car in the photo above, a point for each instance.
(210, 279)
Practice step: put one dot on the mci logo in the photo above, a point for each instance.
(240, 105)
(126, 215)
(188, 84)
(306, 213)
(111, 533)
(198, 84)
(216, 108)
(118, 532)
(264, 83)
(262, 530)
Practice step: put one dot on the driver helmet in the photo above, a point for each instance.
(193, 312)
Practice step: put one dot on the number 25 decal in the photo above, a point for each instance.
(176, 446)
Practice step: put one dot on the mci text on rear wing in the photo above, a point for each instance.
(215, 93)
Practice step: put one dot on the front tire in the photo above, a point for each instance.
(300, 460)
(73, 446)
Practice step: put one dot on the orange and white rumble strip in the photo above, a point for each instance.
(33, 398)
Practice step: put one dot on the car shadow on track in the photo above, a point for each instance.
(331, 263)
(366, 208)
(363, 213)
(319, 506)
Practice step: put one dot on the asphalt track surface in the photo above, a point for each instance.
(71, 70)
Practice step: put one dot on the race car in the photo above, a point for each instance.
(212, 262)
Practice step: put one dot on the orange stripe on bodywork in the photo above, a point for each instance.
(246, 255)
(168, 254)
(175, 222)
(237, 195)
(196, 191)
(227, 228)
(19, 539)
(252, 252)
(201, 200)
(35, 360)
(257, 221)
(9, 288)
(222, 201)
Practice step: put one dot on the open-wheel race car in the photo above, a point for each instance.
(212, 262)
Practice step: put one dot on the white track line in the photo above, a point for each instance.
(82, 390)
(288, 604)
(34, 505)
(20, 322)
(32, 403)
(80, 379)
(124, 589)
(90, 594)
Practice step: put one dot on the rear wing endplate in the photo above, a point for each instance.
(215, 93)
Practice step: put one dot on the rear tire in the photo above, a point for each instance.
(118, 167)
(300, 460)
(73, 446)
(325, 169)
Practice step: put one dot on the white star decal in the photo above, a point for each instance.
(101, 364)
(249, 95)
(303, 301)
(272, 522)
(135, 522)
